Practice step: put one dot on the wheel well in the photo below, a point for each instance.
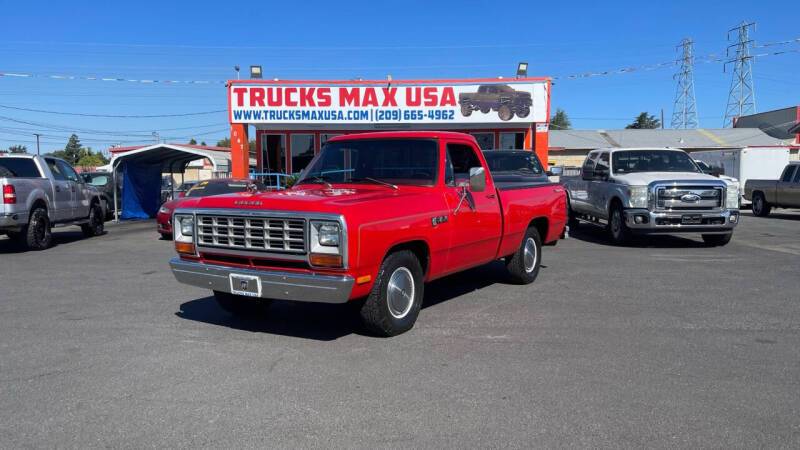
(614, 201)
(39, 203)
(419, 249)
(758, 193)
(542, 225)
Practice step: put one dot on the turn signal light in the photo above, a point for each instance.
(187, 248)
(324, 260)
(9, 194)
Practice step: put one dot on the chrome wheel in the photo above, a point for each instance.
(400, 292)
(529, 255)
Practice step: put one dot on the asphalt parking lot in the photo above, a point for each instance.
(665, 344)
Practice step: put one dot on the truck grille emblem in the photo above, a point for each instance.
(690, 198)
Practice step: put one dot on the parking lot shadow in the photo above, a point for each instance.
(59, 238)
(779, 214)
(597, 235)
(326, 322)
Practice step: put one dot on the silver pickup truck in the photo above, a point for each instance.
(781, 193)
(651, 190)
(42, 192)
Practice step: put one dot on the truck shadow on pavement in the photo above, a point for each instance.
(324, 322)
(780, 214)
(597, 235)
(7, 246)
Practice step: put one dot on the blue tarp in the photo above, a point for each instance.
(141, 190)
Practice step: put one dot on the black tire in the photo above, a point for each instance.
(384, 317)
(466, 110)
(95, 226)
(241, 306)
(523, 265)
(760, 206)
(36, 235)
(523, 112)
(166, 236)
(618, 231)
(505, 113)
(717, 240)
(485, 110)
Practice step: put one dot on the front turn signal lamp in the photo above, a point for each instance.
(325, 260)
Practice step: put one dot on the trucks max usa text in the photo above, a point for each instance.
(372, 219)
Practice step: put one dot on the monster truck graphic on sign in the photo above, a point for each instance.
(496, 97)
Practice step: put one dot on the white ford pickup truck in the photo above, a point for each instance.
(652, 190)
(42, 192)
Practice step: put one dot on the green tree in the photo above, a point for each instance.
(224, 143)
(92, 160)
(644, 121)
(560, 121)
(203, 143)
(72, 151)
(192, 141)
(18, 149)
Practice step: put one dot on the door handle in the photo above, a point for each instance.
(491, 196)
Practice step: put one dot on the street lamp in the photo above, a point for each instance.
(236, 68)
(255, 72)
(522, 70)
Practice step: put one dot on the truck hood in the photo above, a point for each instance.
(645, 178)
(312, 198)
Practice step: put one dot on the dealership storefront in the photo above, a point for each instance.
(292, 120)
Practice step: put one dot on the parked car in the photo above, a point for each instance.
(781, 193)
(373, 217)
(180, 191)
(42, 192)
(496, 97)
(651, 190)
(104, 182)
(745, 163)
(515, 166)
(202, 189)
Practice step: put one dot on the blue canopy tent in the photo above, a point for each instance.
(141, 171)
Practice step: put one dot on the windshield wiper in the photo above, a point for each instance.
(375, 180)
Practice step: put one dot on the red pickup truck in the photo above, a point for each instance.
(371, 219)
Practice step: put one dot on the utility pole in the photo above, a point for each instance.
(684, 111)
(741, 97)
(37, 143)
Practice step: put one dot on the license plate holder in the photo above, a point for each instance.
(247, 285)
(691, 219)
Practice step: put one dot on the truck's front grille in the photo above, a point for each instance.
(689, 198)
(272, 234)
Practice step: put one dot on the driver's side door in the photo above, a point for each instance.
(476, 225)
(598, 187)
(80, 197)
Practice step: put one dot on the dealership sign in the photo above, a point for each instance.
(388, 103)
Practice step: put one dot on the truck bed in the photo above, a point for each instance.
(544, 201)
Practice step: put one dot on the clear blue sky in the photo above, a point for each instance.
(202, 40)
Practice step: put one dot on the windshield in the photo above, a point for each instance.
(395, 161)
(652, 161)
(518, 162)
(206, 188)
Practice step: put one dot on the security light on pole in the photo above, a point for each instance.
(522, 70)
(255, 72)
(236, 68)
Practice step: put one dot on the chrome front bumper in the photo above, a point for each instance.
(670, 222)
(274, 284)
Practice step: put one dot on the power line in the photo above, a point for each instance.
(124, 116)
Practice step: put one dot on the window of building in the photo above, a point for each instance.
(512, 141)
(302, 151)
(485, 140)
(273, 148)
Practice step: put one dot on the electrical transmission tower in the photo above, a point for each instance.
(684, 112)
(741, 97)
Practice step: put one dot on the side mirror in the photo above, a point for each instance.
(587, 174)
(717, 171)
(601, 173)
(477, 179)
